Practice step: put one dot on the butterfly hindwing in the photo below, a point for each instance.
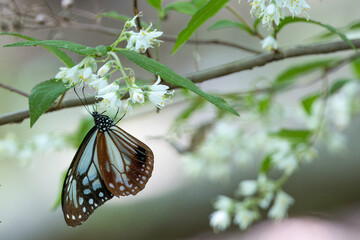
(84, 189)
(126, 163)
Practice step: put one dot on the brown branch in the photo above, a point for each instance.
(19, 116)
(265, 58)
(14, 90)
(207, 74)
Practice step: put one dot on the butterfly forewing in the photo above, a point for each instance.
(126, 163)
(84, 189)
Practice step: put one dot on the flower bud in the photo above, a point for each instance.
(66, 4)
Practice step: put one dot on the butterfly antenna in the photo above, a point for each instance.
(121, 118)
(81, 101)
(83, 92)
(116, 113)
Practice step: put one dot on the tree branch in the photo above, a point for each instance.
(14, 90)
(265, 58)
(218, 71)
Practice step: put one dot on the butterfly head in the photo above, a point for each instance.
(102, 122)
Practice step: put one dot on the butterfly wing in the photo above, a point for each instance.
(125, 163)
(83, 189)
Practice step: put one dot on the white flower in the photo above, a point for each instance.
(272, 13)
(9, 145)
(41, 18)
(269, 43)
(43, 142)
(66, 4)
(287, 163)
(266, 200)
(98, 83)
(220, 220)
(79, 73)
(108, 89)
(136, 95)
(141, 41)
(247, 188)
(62, 73)
(157, 93)
(244, 217)
(224, 203)
(110, 101)
(105, 68)
(266, 188)
(131, 23)
(25, 154)
(281, 205)
(193, 165)
(257, 7)
(297, 7)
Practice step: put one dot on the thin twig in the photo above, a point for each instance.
(14, 90)
(217, 42)
(218, 71)
(58, 104)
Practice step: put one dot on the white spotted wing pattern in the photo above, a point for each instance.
(108, 162)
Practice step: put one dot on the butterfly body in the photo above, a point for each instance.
(109, 162)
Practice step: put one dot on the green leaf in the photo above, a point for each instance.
(71, 46)
(156, 4)
(181, 7)
(289, 75)
(229, 24)
(288, 20)
(356, 67)
(189, 8)
(203, 14)
(337, 85)
(293, 135)
(354, 26)
(43, 96)
(264, 103)
(57, 52)
(256, 24)
(167, 74)
(266, 164)
(308, 101)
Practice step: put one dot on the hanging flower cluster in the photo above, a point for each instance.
(111, 94)
(271, 11)
(230, 145)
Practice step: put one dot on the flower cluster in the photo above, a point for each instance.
(257, 194)
(271, 11)
(86, 73)
(141, 41)
(230, 144)
(13, 148)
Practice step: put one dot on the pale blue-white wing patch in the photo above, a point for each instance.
(126, 163)
(83, 189)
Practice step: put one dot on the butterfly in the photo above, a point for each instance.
(109, 162)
